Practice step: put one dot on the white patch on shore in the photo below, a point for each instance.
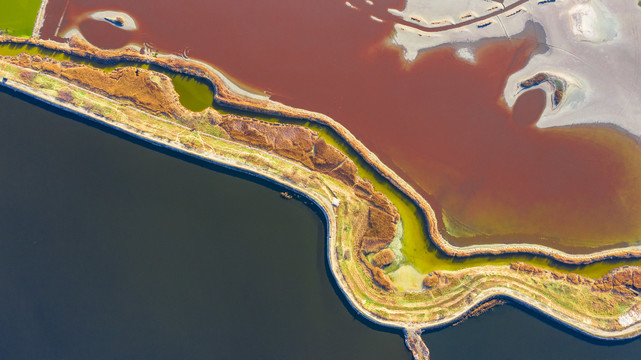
(407, 278)
(128, 22)
(592, 44)
(466, 54)
(633, 316)
(591, 22)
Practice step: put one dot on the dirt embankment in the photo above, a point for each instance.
(153, 92)
(142, 88)
(625, 280)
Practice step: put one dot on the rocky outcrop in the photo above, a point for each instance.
(383, 258)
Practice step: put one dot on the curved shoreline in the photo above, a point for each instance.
(349, 289)
(325, 206)
(224, 95)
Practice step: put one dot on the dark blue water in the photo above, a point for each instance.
(112, 249)
(509, 332)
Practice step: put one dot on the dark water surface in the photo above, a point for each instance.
(508, 332)
(111, 249)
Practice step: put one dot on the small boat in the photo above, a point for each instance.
(286, 195)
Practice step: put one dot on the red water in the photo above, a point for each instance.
(439, 121)
(528, 107)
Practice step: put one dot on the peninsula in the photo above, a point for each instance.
(366, 205)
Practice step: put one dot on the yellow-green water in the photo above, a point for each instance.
(197, 95)
(17, 17)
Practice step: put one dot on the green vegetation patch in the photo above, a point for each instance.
(194, 94)
(18, 17)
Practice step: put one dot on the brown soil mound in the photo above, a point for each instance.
(327, 157)
(381, 230)
(626, 281)
(144, 88)
(293, 142)
(430, 281)
(534, 80)
(383, 258)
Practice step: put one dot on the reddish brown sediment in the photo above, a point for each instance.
(225, 95)
(558, 86)
(626, 281)
(528, 107)
(481, 309)
(439, 122)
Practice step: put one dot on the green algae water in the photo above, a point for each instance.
(194, 94)
(17, 18)
(197, 95)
